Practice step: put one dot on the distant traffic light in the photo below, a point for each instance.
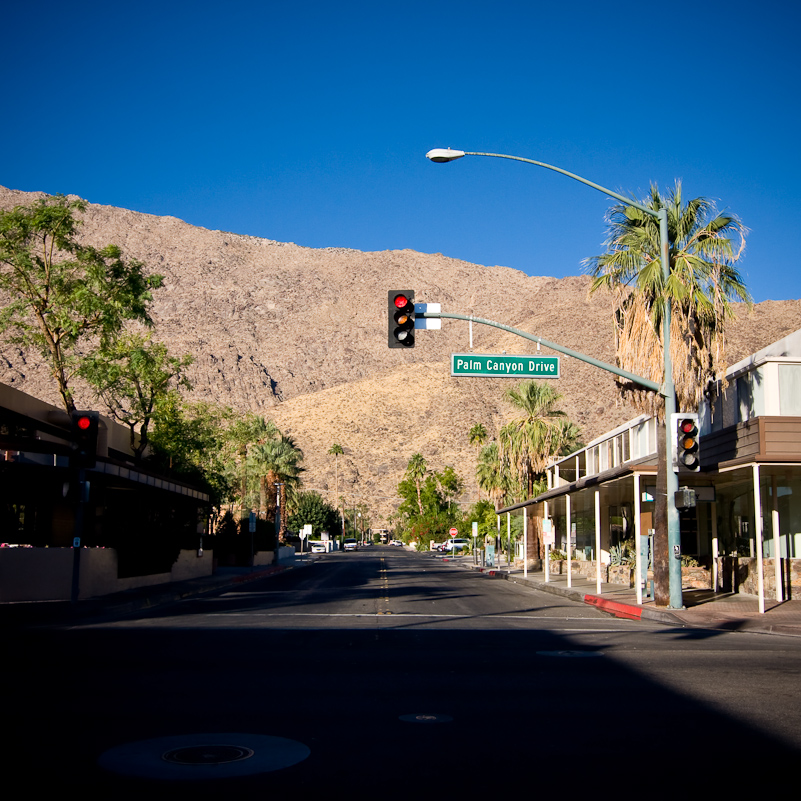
(83, 440)
(400, 318)
(686, 454)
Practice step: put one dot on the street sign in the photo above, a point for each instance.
(453, 532)
(489, 365)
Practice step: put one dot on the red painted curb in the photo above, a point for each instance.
(614, 607)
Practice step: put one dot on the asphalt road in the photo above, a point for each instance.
(385, 674)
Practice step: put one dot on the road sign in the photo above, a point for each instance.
(489, 365)
(453, 532)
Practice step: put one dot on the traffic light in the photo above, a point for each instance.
(400, 318)
(84, 438)
(686, 455)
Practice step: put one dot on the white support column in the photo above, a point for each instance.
(525, 543)
(546, 550)
(569, 541)
(777, 542)
(715, 552)
(637, 538)
(598, 541)
(509, 560)
(758, 535)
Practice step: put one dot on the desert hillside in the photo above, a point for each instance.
(299, 335)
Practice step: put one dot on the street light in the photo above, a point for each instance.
(668, 391)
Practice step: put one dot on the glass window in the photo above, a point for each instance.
(745, 400)
(790, 389)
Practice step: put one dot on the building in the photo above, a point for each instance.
(132, 525)
(747, 491)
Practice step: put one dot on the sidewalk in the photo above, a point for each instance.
(704, 609)
(32, 613)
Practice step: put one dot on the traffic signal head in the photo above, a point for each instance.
(400, 318)
(686, 456)
(84, 438)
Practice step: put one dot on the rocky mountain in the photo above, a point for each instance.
(299, 335)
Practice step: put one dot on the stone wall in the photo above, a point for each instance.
(739, 574)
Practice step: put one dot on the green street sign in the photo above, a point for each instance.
(489, 365)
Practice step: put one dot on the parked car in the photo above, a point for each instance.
(351, 545)
(396, 542)
(318, 547)
(455, 545)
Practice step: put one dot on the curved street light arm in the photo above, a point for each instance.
(622, 198)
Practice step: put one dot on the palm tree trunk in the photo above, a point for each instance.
(263, 497)
(243, 485)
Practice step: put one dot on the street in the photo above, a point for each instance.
(392, 673)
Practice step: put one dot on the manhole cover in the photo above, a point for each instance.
(197, 757)
(426, 718)
(207, 754)
(570, 653)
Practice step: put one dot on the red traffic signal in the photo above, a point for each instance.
(400, 318)
(83, 440)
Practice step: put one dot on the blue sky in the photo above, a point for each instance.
(309, 122)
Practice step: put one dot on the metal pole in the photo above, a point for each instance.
(668, 387)
(669, 393)
(610, 368)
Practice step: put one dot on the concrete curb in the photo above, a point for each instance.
(627, 611)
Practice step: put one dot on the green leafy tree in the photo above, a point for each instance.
(312, 509)
(64, 297)
(427, 510)
(189, 441)
(131, 374)
(702, 285)
(484, 514)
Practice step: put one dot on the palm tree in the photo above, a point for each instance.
(246, 432)
(276, 461)
(704, 247)
(703, 284)
(478, 436)
(530, 442)
(416, 471)
(491, 474)
(336, 451)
